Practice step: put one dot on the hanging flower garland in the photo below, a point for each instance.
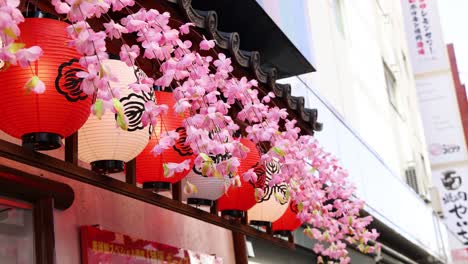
(12, 50)
(205, 87)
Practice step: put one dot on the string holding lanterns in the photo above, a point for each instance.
(104, 145)
(43, 120)
(150, 168)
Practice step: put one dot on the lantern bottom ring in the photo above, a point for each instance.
(199, 202)
(157, 186)
(261, 223)
(283, 233)
(107, 166)
(41, 141)
(233, 213)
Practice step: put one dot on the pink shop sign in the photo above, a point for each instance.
(460, 254)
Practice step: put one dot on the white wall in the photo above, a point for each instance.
(373, 140)
(350, 71)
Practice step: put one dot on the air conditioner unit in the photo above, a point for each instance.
(411, 178)
(436, 201)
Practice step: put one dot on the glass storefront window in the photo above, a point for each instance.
(16, 232)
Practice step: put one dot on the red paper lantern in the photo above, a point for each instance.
(240, 199)
(288, 222)
(149, 169)
(42, 120)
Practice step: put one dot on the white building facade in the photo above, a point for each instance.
(365, 93)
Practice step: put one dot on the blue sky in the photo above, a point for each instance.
(454, 14)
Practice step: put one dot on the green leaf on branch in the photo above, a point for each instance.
(99, 108)
(279, 151)
(121, 122)
(300, 207)
(166, 170)
(14, 47)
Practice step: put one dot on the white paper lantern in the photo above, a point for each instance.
(269, 208)
(101, 142)
(209, 188)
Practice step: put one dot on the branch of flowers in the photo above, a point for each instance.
(29, 63)
(253, 109)
(95, 50)
(145, 37)
(157, 60)
(133, 62)
(16, 53)
(309, 190)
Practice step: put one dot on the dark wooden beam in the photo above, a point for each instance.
(214, 208)
(240, 248)
(177, 191)
(71, 149)
(244, 219)
(44, 238)
(27, 187)
(130, 172)
(54, 165)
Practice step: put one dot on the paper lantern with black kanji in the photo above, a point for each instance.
(288, 222)
(240, 199)
(149, 168)
(100, 141)
(275, 199)
(42, 120)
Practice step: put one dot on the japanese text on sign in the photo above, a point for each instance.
(421, 26)
(106, 247)
(455, 201)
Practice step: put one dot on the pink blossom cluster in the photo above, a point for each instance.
(13, 52)
(212, 100)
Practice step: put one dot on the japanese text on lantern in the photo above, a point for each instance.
(455, 200)
(421, 26)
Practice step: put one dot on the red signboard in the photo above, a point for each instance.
(460, 255)
(106, 247)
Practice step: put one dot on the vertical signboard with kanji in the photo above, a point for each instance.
(443, 127)
(453, 186)
(424, 35)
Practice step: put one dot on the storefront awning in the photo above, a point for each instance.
(258, 32)
(268, 55)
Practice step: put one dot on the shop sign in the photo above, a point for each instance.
(460, 255)
(106, 247)
(441, 119)
(424, 35)
(453, 186)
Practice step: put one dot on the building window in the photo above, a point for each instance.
(339, 15)
(391, 87)
(27, 205)
(16, 232)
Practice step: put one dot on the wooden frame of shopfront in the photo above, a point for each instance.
(45, 198)
(44, 195)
